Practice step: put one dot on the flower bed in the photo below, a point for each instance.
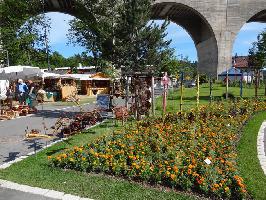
(193, 151)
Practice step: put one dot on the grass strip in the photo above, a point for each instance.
(190, 96)
(34, 171)
(248, 161)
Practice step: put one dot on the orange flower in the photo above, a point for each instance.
(173, 176)
(175, 168)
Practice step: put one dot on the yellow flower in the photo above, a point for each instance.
(226, 189)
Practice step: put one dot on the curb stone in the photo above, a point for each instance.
(39, 191)
(261, 140)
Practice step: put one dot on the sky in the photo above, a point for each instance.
(181, 41)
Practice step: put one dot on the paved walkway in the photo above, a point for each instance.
(12, 132)
(13, 144)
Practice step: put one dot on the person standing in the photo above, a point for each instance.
(10, 95)
(21, 91)
(32, 94)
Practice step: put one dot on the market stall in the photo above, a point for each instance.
(17, 91)
(98, 83)
(52, 87)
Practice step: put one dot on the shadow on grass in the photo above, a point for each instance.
(54, 151)
(68, 141)
(90, 132)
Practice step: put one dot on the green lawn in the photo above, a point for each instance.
(190, 95)
(34, 171)
(83, 100)
(248, 160)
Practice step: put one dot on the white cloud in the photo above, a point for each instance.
(177, 33)
(247, 35)
(247, 42)
(254, 27)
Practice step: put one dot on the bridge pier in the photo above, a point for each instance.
(212, 24)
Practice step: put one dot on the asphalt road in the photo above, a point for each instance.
(12, 132)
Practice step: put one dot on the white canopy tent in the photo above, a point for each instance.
(82, 77)
(50, 75)
(16, 72)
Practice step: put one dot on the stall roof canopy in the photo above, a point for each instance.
(84, 77)
(50, 75)
(99, 75)
(68, 68)
(16, 72)
(232, 72)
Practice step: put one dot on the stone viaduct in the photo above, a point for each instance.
(212, 24)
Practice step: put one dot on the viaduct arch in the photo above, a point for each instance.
(212, 24)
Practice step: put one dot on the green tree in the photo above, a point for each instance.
(120, 34)
(257, 57)
(176, 66)
(22, 32)
(57, 60)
